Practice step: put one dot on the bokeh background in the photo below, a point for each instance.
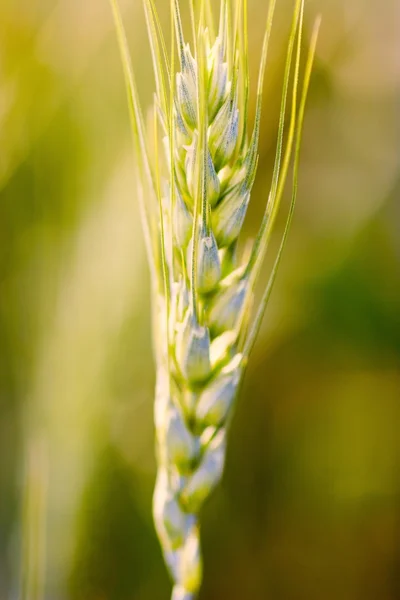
(310, 504)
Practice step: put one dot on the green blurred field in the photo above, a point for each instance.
(309, 506)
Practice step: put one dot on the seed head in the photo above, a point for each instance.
(203, 282)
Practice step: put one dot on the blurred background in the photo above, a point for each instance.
(309, 505)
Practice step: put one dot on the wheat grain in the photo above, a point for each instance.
(194, 201)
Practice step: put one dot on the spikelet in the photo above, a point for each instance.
(203, 327)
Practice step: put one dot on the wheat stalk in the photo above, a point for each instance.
(194, 196)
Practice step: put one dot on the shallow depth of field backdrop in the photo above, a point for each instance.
(309, 506)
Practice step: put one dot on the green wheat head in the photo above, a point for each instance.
(194, 190)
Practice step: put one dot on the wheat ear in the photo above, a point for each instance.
(194, 195)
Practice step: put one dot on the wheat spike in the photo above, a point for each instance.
(195, 195)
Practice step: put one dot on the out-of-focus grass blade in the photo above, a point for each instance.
(34, 524)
